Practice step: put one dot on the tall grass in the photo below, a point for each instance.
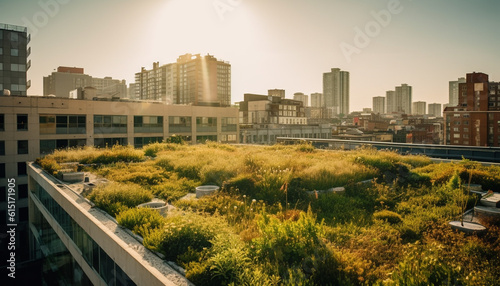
(256, 231)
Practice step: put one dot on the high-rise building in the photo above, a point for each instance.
(435, 109)
(317, 100)
(65, 79)
(193, 79)
(404, 95)
(14, 62)
(301, 97)
(453, 91)
(131, 91)
(474, 121)
(419, 108)
(336, 91)
(379, 104)
(276, 92)
(391, 101)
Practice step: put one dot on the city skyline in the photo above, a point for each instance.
(381, 44)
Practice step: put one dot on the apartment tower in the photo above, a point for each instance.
(336, 91)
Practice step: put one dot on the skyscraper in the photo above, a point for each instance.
(435, 109)
(404, 98)
(193, 79)
(391, 101)
(379, 104)
(453, 91)
(13, 59)
(336, 91)
(317, 99)
(301, 97)
(419, 108)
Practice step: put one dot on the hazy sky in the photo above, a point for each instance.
(285, 44)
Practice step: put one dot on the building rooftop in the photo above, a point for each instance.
(131, 247)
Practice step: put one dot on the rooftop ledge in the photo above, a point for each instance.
(118, 242)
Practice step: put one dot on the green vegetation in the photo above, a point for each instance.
(268, 226)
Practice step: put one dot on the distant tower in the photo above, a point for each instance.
(276, 92)
(404, 98)
(336, 91)
(391, 102)
(419, 108)
(317, 99)
(14, 59)
(301, 97)
(435, 109)
(379, 104)
(453, 91)
(193, 79)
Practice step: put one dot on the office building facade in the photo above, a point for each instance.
(14, 62)
(336, 91)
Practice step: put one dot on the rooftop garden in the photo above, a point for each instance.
(274, 223)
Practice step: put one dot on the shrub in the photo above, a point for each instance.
(115, 197)
(174, 188)
(188, 233)
(287, 243)
(49, 164)
(305, 147)
(137, 219)
(389, 216)
(424, 265)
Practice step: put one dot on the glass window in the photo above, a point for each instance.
(148, 124)
(62, 124)
(1, 51)
(2, 170)
(2, 148)
(2, 122)
(14, 36)
(108, 142)
(3, 195)
(206, 124)
(14, 52)
(106, 124)
(229, 124)
(22, 147)
(22, 191)
(22, 122)
(22, 169)
(139, 142)
(179, 124)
